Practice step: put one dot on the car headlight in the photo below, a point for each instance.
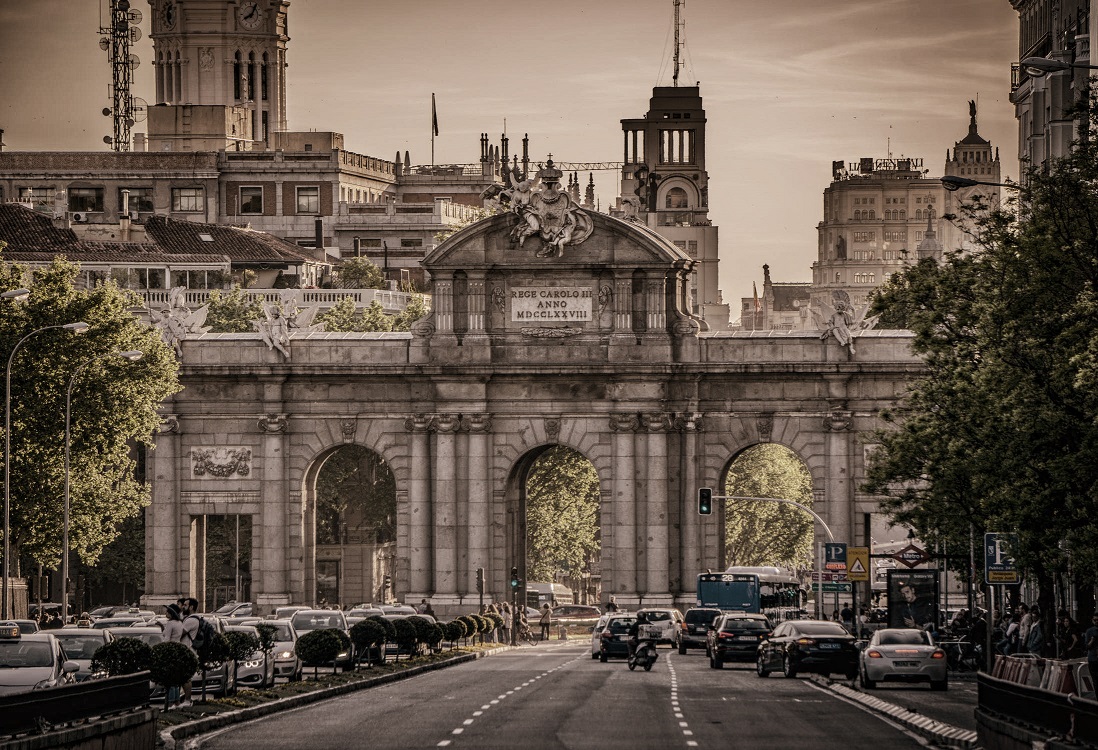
(252, 664)
(285, 654)
(343, 654)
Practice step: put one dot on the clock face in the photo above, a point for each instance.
(250, 14)
(168, 14)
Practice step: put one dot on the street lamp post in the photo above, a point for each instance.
(75, 328)
(953, 183)
(131, 356)
(1038, 67)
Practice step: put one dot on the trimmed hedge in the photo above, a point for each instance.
(171, 664)
(123, 656)
(319, 648)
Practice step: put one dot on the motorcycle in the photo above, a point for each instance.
(644, 655)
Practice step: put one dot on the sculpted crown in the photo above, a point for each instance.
(549, 173)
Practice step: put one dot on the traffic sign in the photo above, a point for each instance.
(835, 556)
(912, 556)
(835, 576)
(839, 588)
(857, 563)
(998, 563)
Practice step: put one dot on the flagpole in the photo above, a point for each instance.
(434, 127)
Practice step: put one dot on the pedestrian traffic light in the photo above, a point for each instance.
(514, 578)
(705, 501)
(387, 581)
(480, 580)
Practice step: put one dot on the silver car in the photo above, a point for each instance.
(903, 655)
(80, 645)
(31, 662)
(258, 670)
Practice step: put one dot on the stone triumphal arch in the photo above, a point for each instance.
(547, 328)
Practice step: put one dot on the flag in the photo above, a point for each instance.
(434, 116)
(755, 291)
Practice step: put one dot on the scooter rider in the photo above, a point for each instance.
(634, 632)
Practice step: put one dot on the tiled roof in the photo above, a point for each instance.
(242, 246)
(25, 229)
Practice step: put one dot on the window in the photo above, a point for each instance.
(141, 199)
(251, 200)
(676, 198)
(38, 196)
(187, 200)
(411, 243)
(371, 242)
(308, 200)
(85, 199)
(865, 236)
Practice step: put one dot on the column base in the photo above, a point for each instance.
(265, 603)
(152, 601)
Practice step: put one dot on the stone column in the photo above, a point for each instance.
(271, 539)
(163, 557)
(445, 505)
(657, 590)
(420, 581)
(477, 516)
(197, 554)
(624, 585)
(690, 556)
(840, 476)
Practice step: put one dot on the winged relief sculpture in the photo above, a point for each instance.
(176, 320)
(841, 319)
(543, 210)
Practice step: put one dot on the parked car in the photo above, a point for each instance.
(287, 664)
(735, 637)
(695, 626)
(398, 609)
(258, 670)
(903, 655)
(150, 634)
(614, 637)
(32, 661)
(319, 619)
(80, 645)
(668, 620)
(123, 621)
(576, 613)
(798, 646)
(234, 609)
(283, 613)
(596, 635)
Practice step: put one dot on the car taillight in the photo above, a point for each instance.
(606, 634)
(939, 654)
(873, 654)
(806, 641)
(684, 628)
(726, 635)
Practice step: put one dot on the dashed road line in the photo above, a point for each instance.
(676, 708)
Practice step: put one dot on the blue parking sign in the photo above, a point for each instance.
(835, 556)
(998, 563)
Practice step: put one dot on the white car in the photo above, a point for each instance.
(596, 636)
(903, 655)
(32, 662)
(668, 620)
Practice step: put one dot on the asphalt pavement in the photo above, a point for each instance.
(556, 696)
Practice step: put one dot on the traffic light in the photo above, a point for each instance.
(705, 501)
(387, 581)
(480, 580)
(514, 578)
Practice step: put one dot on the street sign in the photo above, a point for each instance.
(911, 556)
(857, 563)
(835, 556)
(838, 588)
(832, 577)
(998, 563)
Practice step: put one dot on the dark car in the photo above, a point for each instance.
(735, 637)
(695, 625)
(614, 639)
(817, 646)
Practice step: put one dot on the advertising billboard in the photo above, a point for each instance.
(912, 598)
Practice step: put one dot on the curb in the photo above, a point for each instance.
(172, 737)
(937, 732)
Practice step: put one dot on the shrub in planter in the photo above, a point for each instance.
(171, 665)
(497, 619)
(390, 630)
(319, 648)
(212, 655)
(435, 636)
(123, 656)
(267, 633)
(423, 629)
(367, 635)
(455, 631)
(405, 635)
(471, 625)
(240, 646)
(484, 625)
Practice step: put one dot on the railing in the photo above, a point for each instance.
(390, 301)
(31, 711)
(1048, 712)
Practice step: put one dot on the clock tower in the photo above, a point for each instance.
(228, 55)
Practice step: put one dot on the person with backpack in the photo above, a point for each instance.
(175, 632)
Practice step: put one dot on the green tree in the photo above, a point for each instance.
(360, 273)
(416, 309)
(122, 562)
(233, 312)
(345, 317)
(355, 491)
(1001, 433)
(114, 403)
(562, 514)
(762, 533)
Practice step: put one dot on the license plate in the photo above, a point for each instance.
(906, 663)
(829, 645)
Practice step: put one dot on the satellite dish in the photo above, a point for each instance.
(108, 140)
(135, 62)
(104, 43)
(106, 111)
(135, 34)
(139, 108)
(135, 16)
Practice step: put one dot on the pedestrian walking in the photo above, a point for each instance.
(1090, 642)
(1069, 639)
(611, 606)
(176, 633)
(546, 621)
(1024, 627)
(505, 628)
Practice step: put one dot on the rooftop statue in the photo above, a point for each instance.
(842, 320)
(176, 320)
(282, 317)
(543, 210)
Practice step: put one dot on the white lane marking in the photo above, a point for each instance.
(467, 722)
(478, 713)
(459, 730)
(444, 743)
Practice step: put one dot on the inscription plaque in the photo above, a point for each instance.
(551, 304)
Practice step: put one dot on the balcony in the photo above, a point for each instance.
(391, 302)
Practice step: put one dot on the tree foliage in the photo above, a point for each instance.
(344, 317)
(114, 404)
(1001, 433)
(233, 312)
(762, 533)
(416, 309)
(356, 492)
(562, 514)
(360, 273)
(123, 656)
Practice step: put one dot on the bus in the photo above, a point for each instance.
(775, 592)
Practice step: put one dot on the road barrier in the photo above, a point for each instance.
(39, 710)
(1035, 711)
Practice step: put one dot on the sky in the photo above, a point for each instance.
(788, 87)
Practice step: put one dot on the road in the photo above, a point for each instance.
(556, 696)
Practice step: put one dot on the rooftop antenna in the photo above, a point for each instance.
(116, 42)
(678, 43)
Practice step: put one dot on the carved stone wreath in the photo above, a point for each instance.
(551, 333)
(221, 462)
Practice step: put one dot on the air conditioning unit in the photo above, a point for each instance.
(78, 216)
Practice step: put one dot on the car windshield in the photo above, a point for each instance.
(79, 646)
(150, 638)
(226, 609)
(701, 616)
(658, 616)
(25, 654)
(904, 638)
(620, 625)
(821, 628)
(316, 621)
(731, 626)
(282, 631)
